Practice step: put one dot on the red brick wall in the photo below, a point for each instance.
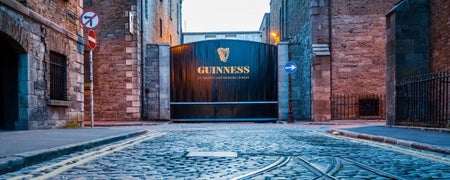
(358, 46)
(440, 35)
(115, 66)
(55, 10)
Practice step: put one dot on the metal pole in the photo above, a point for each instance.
(291, 109)
(91, 86)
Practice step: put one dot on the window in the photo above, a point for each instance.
(170, 9)
(58, 78)
(369, 107)
(230, 36)
(210, 36)
(160, 28)
(178, 19)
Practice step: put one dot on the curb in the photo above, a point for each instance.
(383, 139)
(19, 161)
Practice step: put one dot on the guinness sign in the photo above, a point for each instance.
(224, 79)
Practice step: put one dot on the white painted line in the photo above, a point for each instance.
(212, 154)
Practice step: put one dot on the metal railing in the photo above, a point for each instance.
(358, 106)
(423, 101)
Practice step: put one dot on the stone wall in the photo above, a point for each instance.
(358, 46)
(41, 27)
(168, 13)
(116, 62)
(300, 51)
(408, 52)
(151, 104)
(275, 9)
(440, 36)
(122, 65)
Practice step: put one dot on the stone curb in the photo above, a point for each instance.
(19, 161)
(383, 139)
(441, 130)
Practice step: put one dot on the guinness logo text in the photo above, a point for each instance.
(223, 69)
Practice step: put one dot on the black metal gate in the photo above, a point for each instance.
(423, 101)
(224, 80)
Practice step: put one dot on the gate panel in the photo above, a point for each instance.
(224, 79)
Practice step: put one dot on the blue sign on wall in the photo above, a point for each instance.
(290, 67)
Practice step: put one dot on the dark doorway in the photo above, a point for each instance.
(9, 92)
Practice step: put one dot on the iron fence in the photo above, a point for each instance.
(358, 106)
(423, 101)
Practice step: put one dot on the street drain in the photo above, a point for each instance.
(211, 154)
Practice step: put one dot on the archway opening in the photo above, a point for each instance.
(10, 52)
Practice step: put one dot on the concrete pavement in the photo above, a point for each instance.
(24, 148)
(429, 139)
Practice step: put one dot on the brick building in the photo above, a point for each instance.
(417, 52)
(439, 36)
(126, 66)
(189, 37)
(339, 47)
(41, 68)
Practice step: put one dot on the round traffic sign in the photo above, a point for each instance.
(89, 19)
(290, 67)
(92, 39)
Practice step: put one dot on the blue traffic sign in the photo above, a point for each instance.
(89, 19)
(290, 67)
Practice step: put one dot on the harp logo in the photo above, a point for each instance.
(224, 53)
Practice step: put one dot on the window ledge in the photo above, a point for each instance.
(52, 102)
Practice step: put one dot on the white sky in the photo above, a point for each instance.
(223, 15)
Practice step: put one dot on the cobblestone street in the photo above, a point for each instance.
(242, 151)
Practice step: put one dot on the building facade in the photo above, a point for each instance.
(418, 63)
(41, 65)
(339, 47)
(125, 60)
(189, 37)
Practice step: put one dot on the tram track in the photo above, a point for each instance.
(316, 170)
(283, 160)
(328, 172)
(373, 170)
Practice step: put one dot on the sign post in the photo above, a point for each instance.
(90, 19)
(92, 41)
(290, 67)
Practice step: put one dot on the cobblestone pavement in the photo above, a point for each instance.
(264, 151)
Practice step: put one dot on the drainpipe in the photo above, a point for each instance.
(330, 39)
(143, 92)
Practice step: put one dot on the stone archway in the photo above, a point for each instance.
(10, 68)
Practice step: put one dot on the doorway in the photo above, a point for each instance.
(9, 82)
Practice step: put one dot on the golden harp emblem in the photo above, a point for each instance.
(224, 53)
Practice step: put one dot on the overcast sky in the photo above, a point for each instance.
(223, 15)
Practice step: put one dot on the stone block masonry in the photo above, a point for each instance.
(440, 36)
(358, 46)
(37, 29)
(125, 64)
(117, 77)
